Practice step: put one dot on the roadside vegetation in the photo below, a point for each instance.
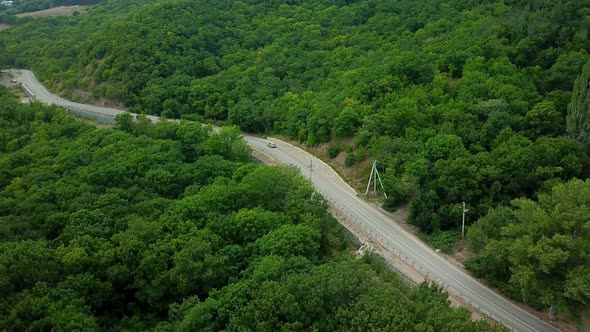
(170, 227)
(457, 100)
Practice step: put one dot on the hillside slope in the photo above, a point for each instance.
(457, 100)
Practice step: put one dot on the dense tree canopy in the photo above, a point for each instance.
(169, 227)
(539, 251)
(459, 101)
(578, 117)
(476, 101)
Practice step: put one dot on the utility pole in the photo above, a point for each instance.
(370, 178)
(463, 224)
(375, 177)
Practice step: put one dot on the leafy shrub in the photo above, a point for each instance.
(334, 151)
(350, 159)
(445, 241)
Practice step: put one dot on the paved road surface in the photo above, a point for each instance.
(329, 184)
(34, 89)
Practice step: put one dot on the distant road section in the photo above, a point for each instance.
(339, 193)
(35, 90)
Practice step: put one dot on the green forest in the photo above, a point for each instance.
(171, 227)
(481, 101)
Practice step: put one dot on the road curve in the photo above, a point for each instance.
(339, 193)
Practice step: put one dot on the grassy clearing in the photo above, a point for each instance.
(445, 241)
(56, 11)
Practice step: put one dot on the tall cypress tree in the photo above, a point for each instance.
(578, 117)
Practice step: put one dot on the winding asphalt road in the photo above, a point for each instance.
(340, 194)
